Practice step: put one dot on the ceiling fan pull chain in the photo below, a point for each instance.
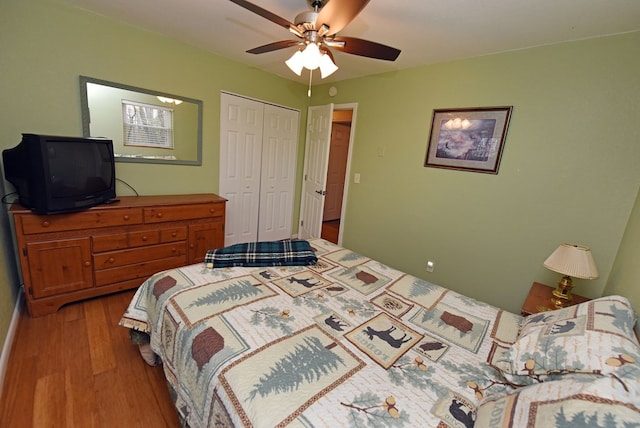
(309, 91)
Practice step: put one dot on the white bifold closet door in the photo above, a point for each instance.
(258, 153)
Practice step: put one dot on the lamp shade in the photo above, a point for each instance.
(327, 67)
(295, 63)
(573, 260)
(311, 56)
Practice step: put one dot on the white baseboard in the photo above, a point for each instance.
(8, 342)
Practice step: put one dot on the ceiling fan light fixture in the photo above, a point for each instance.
(311, 56)
(295, 63)
(327, 67)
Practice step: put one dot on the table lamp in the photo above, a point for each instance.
(570, 260)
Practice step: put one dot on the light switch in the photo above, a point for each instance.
(356, 178)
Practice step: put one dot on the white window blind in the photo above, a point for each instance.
(147, 125)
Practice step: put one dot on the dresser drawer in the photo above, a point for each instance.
(89, 219)
(147, 237)
(173, 234)
(122, 241)
(141, 270)
(118, 241)
(183, 212)
(134, 256)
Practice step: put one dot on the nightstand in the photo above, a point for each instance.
(539, 297)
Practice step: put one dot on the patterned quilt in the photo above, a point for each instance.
(347, 342)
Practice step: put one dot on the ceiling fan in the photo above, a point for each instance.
(316, 31)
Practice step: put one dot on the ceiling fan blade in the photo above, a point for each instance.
(337, 14)
(264, 13)
(362, 47)
(273, 46)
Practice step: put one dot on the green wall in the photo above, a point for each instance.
(569, 171)
(568, 174)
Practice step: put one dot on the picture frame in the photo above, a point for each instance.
(468, 139)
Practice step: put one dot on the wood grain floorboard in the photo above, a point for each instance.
(77, 368)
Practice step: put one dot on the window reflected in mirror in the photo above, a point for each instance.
(145, 125)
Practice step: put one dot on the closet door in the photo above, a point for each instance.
(241, 123)
(277, 179)
(258, 154)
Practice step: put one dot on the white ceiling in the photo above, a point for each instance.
(427, 31)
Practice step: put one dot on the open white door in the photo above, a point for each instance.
(315, 170)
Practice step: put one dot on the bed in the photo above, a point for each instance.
(350, 342)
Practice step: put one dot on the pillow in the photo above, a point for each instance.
(597, 402)
(592, 337)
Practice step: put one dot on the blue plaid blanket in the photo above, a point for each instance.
(295, 252)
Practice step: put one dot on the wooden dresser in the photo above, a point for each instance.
(109, 248)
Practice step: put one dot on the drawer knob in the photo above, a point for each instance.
(192, 246)
(173, 250)
(125, 217)
(159, 215)
(87, 264)
(144, 238)
(46, 224)
(174, 234)
(211, 210)
(111, 260)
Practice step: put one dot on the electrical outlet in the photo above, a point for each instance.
(356, 178)
(430, 266)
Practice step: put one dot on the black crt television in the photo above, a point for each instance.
(61, 174)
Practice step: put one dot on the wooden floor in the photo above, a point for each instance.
(77, 368)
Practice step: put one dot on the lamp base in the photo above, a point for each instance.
(561, 296)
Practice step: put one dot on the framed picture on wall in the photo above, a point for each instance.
(468, 139)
